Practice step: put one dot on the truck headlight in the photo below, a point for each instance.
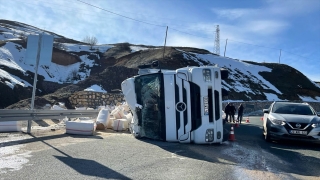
(206, 75)
(206, 105)
(209, 135)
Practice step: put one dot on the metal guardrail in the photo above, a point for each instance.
(21, 115)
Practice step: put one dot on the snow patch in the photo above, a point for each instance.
(272, 97)
(13, 80)
(77, 47)
(95, 88)
(137, 48)
(13, 55)
(239, 83)
(12, 158)
(249, 160)
(309, 99)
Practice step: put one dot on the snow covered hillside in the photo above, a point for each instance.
(247, 80)
(12, 55)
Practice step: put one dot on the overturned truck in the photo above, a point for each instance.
(182, 105)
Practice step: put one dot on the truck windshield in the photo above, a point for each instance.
(151, 118)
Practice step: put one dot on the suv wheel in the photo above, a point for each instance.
(267, 135)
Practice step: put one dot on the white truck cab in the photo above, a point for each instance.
(183, 105)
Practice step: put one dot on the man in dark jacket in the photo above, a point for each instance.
(232, 112)
(240, 113)
(227, 111)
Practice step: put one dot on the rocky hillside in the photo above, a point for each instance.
(76, 66)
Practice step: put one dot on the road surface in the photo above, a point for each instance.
(47, 154)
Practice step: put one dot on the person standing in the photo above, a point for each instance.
(227, 111)
(232, 112)
(240, 113)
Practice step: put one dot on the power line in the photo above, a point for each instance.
(190, 34)
(145, 22)
(295, 54)
(255, 45)
(67, 9)
(81, 12)
(120, 14)
(178, 30)
(138, 20)
(270, 48)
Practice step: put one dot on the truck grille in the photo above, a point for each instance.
(210, 105)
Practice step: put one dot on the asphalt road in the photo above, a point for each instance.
(114, 155)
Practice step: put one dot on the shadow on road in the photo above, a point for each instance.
(90, 168)
(44, 138)
(85, 166)
(250, 135)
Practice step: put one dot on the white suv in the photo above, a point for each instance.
(289, 120)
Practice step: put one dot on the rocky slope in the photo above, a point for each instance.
(76, 65)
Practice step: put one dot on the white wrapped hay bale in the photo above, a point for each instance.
(86, 119)
(80, 127)
(119, 124)
(10, 126)
(110, 107)
(118, 113)
(100, 126)
(102, 119)
(110, 123)
(128, 116)
(103, 116)
(125, 107)
(126, 123)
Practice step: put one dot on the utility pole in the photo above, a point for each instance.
(165, 42)
(225, 48)
(217, 41)
(164, 48)
(279, 56)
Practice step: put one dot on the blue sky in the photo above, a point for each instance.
(256, 30)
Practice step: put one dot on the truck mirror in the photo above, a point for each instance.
(155, 64)
(224, 92)
(224, 73)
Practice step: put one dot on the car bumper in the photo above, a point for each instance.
(278, 132)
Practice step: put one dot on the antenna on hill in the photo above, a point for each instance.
(164, 48)
(217, 41)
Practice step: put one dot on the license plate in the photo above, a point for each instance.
(298, 132)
